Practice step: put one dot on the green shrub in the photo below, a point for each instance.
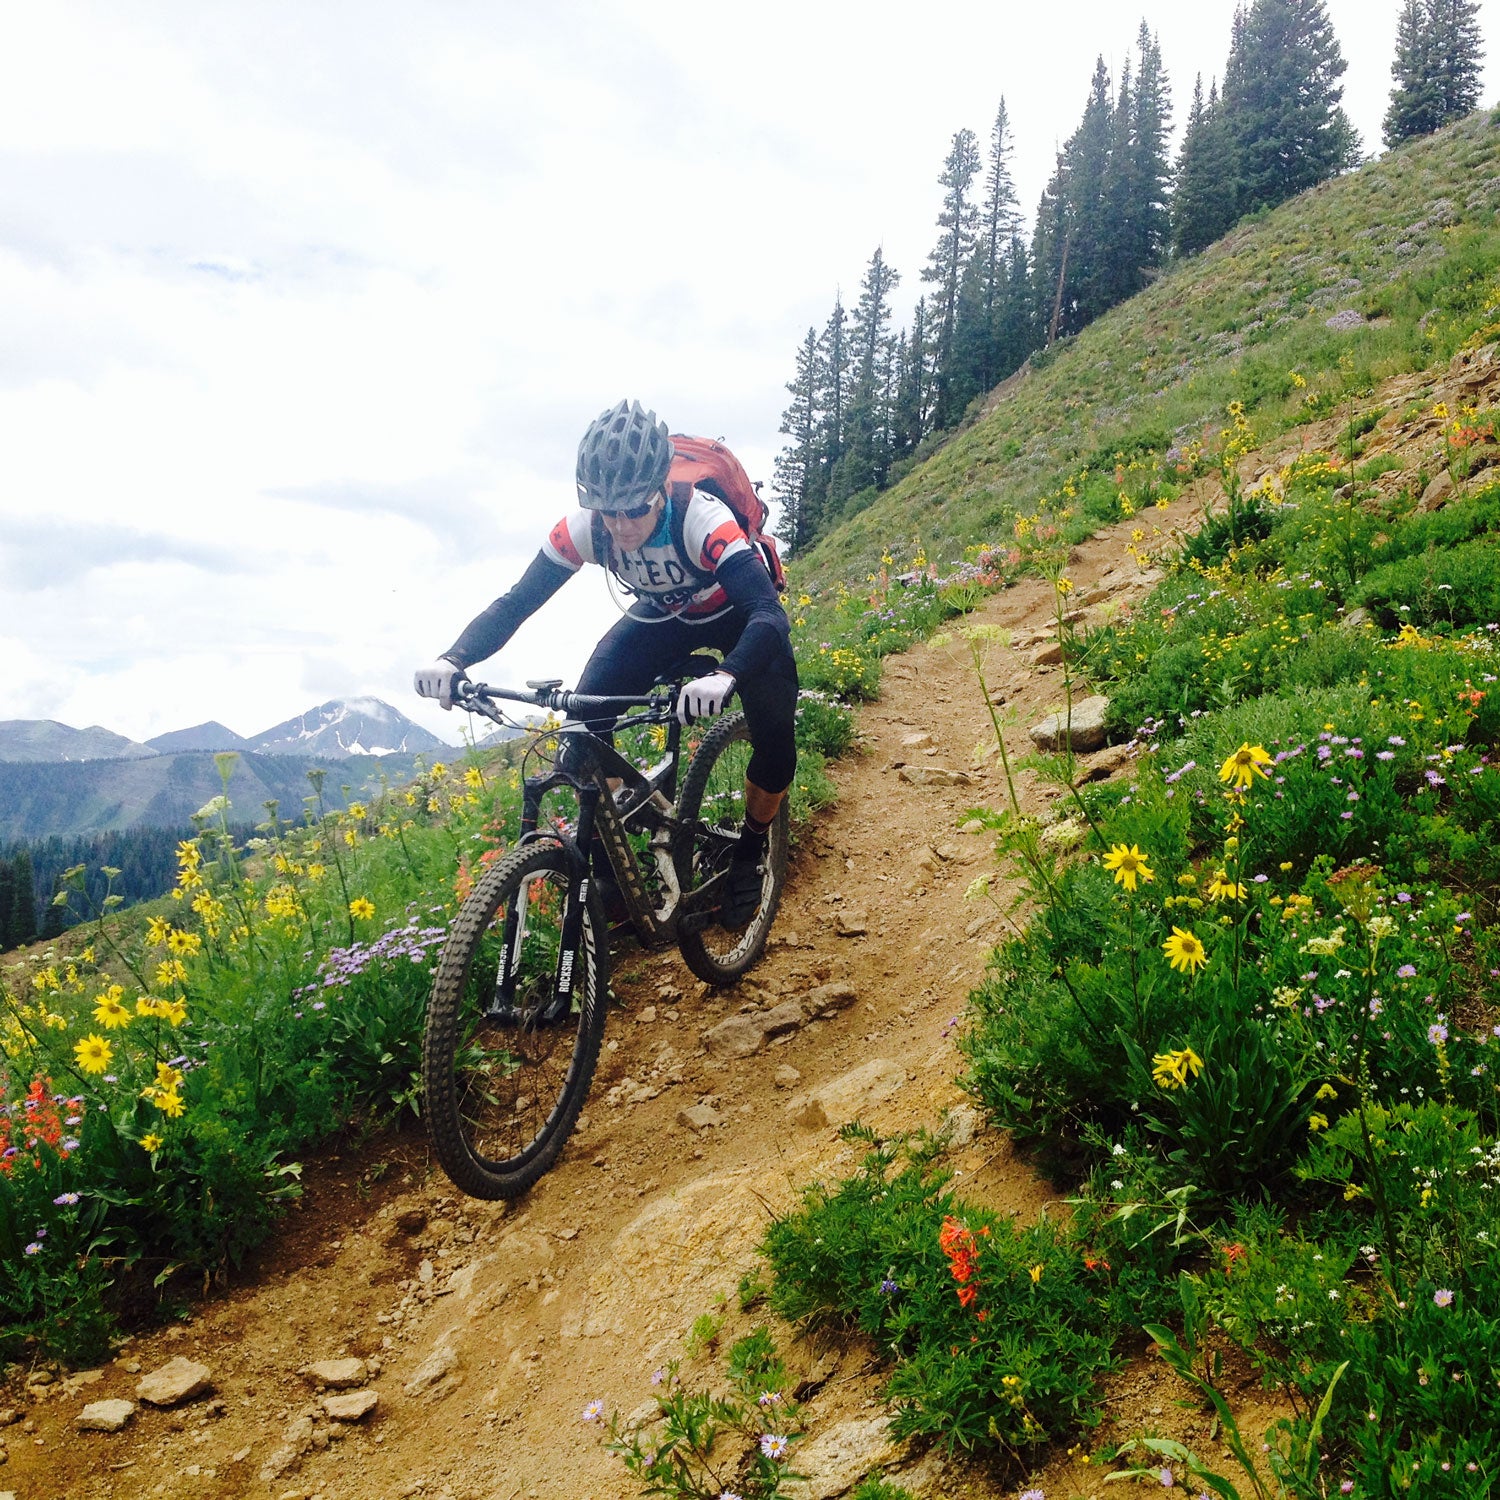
(1454, 588)
(999, 1331)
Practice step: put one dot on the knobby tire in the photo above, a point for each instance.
(713, 792)
(502, 1097)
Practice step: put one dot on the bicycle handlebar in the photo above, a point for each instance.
(476, 696)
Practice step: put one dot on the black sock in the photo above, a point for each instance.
(753, 838)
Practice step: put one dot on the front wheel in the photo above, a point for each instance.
(513, 1031)
(713, 799)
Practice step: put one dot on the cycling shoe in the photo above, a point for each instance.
(742, 888)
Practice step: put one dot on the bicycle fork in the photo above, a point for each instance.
(580, 882)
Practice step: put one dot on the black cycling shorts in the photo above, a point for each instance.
(634, 653)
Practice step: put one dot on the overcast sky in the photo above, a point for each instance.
(304, 307)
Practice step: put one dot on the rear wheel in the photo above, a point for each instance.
(713, 796)
(504, 1077)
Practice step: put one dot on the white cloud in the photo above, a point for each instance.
(302, 308)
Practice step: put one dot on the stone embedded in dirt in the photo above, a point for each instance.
(1047, 656)
(736, 1036)
(1438, 492)
(1112, 758)
(645, 1015)
(935, 776)
(106, 1416)
(699, 1117)
(852, 924)
(411, 1220)
(1084, 728)
(786, 1017)
(847, 1096)
(961, 1124)
(434, 1371)
(787, 1077)
(845, 1452)
(973, 825)
(425, 1272)
(295, 1441)
(630, 1091)
(9, 1416)
(176, 1381)
(338, 1373)
(350, 1406)
(920, 740)
(828, 999)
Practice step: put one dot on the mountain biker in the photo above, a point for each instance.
(697, 581)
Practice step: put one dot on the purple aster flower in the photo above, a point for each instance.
(1385, 755)
(1395, 739)
(1443, 1297)
(773, 1445)
(34, 1248)
(1375, 1006)
(1407, 971)
(65, 1200)
(1437, 1034)
(593, 1411)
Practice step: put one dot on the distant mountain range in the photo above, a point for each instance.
(58, 780)
(332, 731)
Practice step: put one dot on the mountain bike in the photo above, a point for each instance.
(518, 1006)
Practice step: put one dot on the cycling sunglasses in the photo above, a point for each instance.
(637, 513)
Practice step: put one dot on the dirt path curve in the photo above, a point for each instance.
(486, 1330)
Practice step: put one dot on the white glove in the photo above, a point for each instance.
(704, 697)
(439, 681)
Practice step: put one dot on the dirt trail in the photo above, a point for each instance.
(490, 1328)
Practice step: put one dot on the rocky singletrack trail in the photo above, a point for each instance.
(483, 1330)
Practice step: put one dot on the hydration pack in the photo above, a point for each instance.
(707, 465)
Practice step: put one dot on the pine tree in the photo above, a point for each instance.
(1439, 49)
(23, 913)
(1051, 242)
(1078, 236)
(1016, 329)
(913, 384)
(1150, 169)
(7, 903)
(1203, 203)
(1281, 98)
(831, 400)
(867, 459)
(1116, 229)
(796, 473)
(1001, 220)
(945, 266)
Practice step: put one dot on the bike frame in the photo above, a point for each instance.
(644, 804)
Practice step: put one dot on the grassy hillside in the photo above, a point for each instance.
(1410, 243)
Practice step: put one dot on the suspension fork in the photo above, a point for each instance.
(580, 883)
(576, 898)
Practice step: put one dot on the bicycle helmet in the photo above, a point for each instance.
(623, 458)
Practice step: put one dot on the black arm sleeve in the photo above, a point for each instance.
(488, 631)
(767, 635)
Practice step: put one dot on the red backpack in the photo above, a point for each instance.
(703, 463)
